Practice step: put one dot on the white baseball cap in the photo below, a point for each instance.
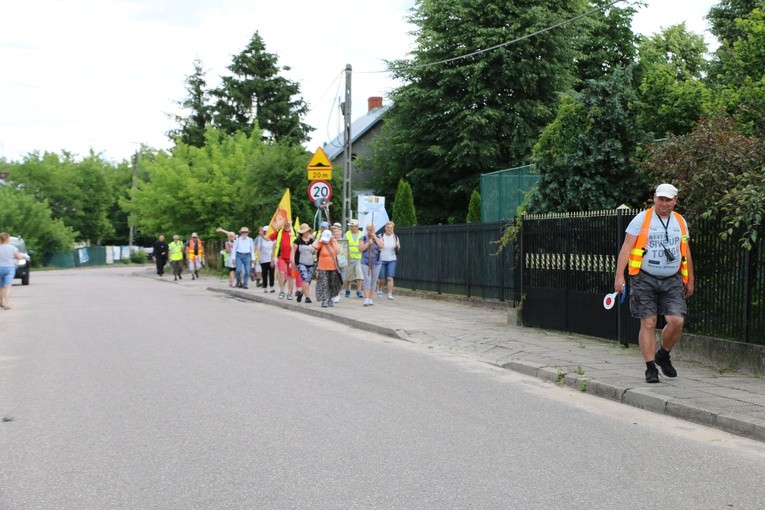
(666, 190)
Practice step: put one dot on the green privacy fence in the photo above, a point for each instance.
(503, 191)
(88, 256)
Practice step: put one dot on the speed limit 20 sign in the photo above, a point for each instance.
(318, 190)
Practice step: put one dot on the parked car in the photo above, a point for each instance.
(22, 266)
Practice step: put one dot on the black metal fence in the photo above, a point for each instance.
(568, 265)
(458, 259)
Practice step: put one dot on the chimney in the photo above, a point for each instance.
(374, 103)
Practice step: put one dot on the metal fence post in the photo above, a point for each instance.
(438, 258)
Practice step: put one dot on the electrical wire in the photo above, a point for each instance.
(497, 46)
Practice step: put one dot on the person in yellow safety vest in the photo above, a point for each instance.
(353, 270)
(658, 255)
(175, 250)
(195, 255)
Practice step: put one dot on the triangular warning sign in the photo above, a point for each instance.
(319, 161)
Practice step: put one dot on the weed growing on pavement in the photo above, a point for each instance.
(583, 386)
(7, 419)
(579, 370)
(560, 376)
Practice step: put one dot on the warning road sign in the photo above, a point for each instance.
(319, 161)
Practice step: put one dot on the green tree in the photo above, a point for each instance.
(255, 95)
(233, 180)
(715, 160)
(24, 215)
(585, 157)
(192, 127)
(77, 192)
(474, 208)
(722, 18)
(455, 119)
(739, 79)
(404, 213)
(672, 94)
(605, 42)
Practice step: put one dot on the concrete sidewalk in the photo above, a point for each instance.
(730, 401)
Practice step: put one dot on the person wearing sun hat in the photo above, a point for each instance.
(657, 256)
(244, 250)
(302, 256)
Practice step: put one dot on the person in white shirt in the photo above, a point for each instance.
(265, 254)
(391, 246)
(244, 248)
(9, 254)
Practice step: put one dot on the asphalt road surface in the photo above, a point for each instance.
(118, 391)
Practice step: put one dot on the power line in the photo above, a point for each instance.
(501, 45)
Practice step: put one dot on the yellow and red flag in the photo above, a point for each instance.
(282, 214)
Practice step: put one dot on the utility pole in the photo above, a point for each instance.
(133, 186)
(347, 213)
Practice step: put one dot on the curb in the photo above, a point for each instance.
(288, 305)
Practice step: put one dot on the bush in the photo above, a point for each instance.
(138, 257)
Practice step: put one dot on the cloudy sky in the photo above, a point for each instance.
(104, 74)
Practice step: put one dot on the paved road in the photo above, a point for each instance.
(127, 392)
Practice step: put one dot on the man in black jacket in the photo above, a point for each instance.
(160, 254)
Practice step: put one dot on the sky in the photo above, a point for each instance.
(106, 75)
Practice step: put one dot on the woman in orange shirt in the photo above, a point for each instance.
(328, 280)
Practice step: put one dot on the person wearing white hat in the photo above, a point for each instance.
(657, 256)
(195, 255)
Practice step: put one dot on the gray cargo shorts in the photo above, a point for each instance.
(651, 296)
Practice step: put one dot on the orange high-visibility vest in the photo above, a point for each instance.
(637, 252)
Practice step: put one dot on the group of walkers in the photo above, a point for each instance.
(295, 259)
(192, 252)
(298, 258)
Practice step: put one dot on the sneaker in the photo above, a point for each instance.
(359, 294)
(330, 303)
(366, 301)
(347, 293)
(180, 277)
(379, 293)
(652, 375)
(192, 276)
(336, 299)
(281, 295)
(324, 304)
(390, 296)
(245, 287)
(308, 300)
(265, 291)
(230, 284)
(289, 297)
(271, 290)
(300, 297)
(666, 366)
